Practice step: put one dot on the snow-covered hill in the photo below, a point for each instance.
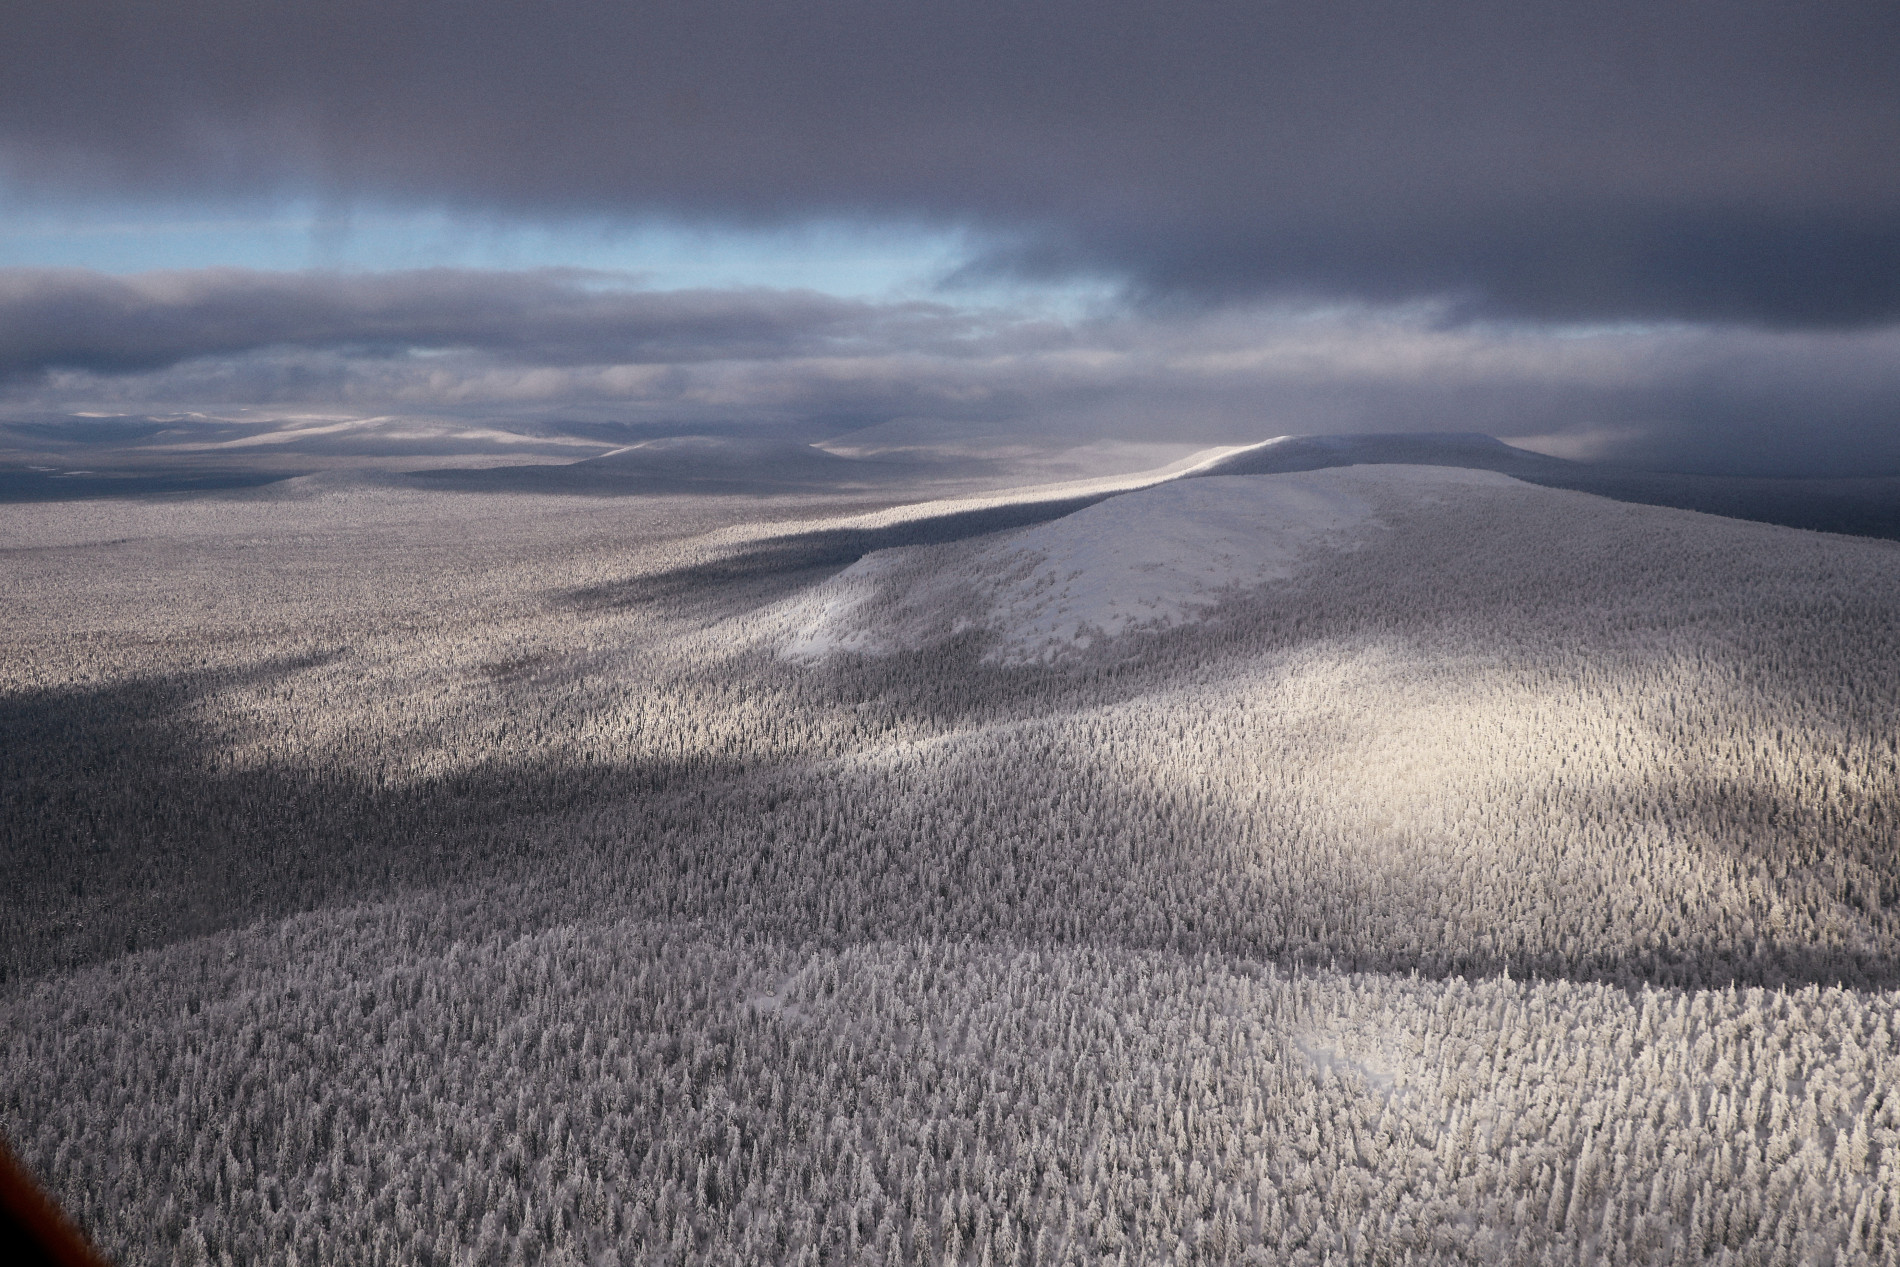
(1472, 872)
(1145, 560)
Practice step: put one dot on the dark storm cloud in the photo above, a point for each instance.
(1736, 399)
(1728, 161)
(71, 319)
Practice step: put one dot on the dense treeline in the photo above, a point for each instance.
(676, 950)
(361, 1088)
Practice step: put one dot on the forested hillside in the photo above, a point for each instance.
(1375, 864)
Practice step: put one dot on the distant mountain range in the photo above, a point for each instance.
(60, 459)
(1867, 507)
(689, 464)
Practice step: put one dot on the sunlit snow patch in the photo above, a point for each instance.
(1145, 560)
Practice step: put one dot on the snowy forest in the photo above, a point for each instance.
(1381, 864)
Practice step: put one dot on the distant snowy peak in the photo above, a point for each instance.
(1143, 561)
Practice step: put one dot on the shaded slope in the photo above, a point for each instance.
(1867, 507)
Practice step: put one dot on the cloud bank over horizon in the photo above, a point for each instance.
(550, 343)
(1666, 234)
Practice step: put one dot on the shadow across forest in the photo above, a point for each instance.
(781, 565)
(129, 832)
(123, 830)
(24, 484)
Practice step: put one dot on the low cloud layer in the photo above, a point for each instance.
(70, 319)
(1728, 163)
(1690, 396)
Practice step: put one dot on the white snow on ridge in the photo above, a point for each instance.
(1025, 495)
(1144, 560)
(1155, 559)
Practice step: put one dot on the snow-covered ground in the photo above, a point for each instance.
(1144, 560)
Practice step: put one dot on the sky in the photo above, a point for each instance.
(1662, 233)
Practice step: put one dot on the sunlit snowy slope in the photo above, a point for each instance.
(1144, 561)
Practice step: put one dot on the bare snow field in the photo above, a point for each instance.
(1370, 864)
(1147, 561)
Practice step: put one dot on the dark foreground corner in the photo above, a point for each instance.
(34, 1231)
